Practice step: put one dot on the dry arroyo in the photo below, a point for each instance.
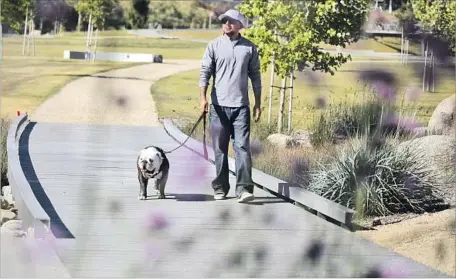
(428, 239)
(120, 97)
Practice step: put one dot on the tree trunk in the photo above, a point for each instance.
(271, 89)
(79, 27)
(96, 44)
(25, 32)
(88, 38)
(425, 66)
(282, 104)
(29, 35)
(433, 70)
(402, 45)
(32, 35)
(290, 106)
(406, 51)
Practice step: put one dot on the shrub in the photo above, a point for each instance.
(371, 116)
(376, 181)
(4, 134)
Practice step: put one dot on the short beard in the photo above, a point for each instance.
(231, 33)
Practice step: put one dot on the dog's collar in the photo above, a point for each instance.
(158, 172)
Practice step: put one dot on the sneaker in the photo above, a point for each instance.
(219, 195)
(246, 197)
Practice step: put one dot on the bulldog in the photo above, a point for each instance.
(152, 163)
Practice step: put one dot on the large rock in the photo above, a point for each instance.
(442, 119)
(302, 138)
(7, 215)
(438, 150)
(282, 141)
(7, 195)
(439, 154)
(13, 227)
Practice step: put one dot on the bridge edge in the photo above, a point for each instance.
(30, 211)
(313, 203)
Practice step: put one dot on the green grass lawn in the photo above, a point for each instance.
(179, 94)
(54, 47)
(29, 81)
(378, 44)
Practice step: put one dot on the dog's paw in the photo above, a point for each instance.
(142, 197)
(161, 196)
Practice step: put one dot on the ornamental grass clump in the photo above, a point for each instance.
(376, 181)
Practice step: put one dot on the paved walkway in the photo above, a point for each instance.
(84, 176)
(120, 97)
(115, 97)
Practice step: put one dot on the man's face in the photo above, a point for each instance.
(231, 26)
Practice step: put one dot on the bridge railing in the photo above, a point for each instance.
(29, 209)
(310, 201)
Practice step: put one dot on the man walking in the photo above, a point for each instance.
(231, 59)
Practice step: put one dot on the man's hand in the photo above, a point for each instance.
(204, 105)
(256, 113)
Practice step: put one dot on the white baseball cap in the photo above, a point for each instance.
(234, 14)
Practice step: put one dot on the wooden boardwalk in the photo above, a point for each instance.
(84, 176)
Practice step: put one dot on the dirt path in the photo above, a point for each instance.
(428, 239)
(119, 97)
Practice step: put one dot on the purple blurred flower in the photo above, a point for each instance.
(412, 94)
(384, 82)
(151, 251)
(385, 91)
(155, 221)
(255, 146)
(299, 170)
(39, 249)
(411, 183)
(121, 101)
(405, 123)
(393, 270)
(195, 170)
(409, 123)
(115, 207)
(320, 102)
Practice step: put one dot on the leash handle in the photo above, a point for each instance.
(204, 138)
(202, 116)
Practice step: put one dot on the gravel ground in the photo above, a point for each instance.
(118, 97)
(429, 239)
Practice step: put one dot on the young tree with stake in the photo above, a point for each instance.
(301, 26)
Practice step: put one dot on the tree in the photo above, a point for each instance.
(301, 26)
(438, 17)
(139, 13)
(95, 11)
(14, 12)
(408, 24)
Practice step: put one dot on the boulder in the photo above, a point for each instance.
(438, 150)
(442, 119)
(302, 138)
(420, 131)
(7, 215)
(6, 191)
(7, 195)
(13, 227)
(282, 141)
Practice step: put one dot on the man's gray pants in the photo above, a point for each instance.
(234, 123)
